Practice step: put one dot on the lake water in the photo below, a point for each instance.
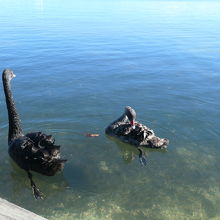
(77, 66)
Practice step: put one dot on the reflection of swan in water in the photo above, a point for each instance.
(128, 130)
(130, 153)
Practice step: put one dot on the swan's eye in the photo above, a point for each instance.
(12, 75)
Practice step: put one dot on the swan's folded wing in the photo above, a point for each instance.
(44, 145)
(44, 158)
(41, 139)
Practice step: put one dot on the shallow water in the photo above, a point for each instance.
(77, 66)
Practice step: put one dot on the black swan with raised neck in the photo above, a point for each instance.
(128, 130)
(34, 151)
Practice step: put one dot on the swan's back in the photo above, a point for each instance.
(128, 130)
(141, 135)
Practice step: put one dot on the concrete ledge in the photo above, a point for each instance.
(10, 211)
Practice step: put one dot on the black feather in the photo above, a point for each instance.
(33, 151)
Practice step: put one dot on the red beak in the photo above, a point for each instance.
(132, 123)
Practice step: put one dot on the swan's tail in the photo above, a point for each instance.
(54, 166)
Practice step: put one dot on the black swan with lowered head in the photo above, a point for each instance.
(128, 130)
(33, 151)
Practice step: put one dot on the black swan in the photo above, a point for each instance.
(33, 151)
(128, 130)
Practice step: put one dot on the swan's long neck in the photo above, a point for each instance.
(123, 118)
(15, 129)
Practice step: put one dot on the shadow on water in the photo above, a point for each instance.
(130, 153)
(78, 180)
(49, 185)
(73, 178)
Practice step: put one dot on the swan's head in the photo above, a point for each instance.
(131, 114)
(8, 75)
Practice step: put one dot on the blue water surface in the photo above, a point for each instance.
(78, 63)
